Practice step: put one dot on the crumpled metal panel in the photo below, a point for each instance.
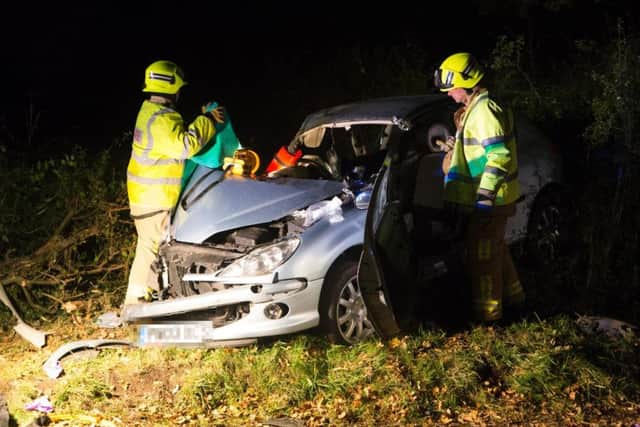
(239, 202)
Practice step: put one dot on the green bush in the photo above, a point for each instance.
(64, 228)
(586, 101)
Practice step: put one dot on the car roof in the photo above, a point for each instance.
(382, 110)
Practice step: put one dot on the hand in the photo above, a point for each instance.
(214, 111)
(447, 145)
(446, 162)
(483, 211)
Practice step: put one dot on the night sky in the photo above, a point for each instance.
(81, 67)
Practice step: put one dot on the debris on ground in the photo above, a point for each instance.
(110, 319)
(608, 327)
(41, 404)
(34, 336)
(53, 370)
(53, 367)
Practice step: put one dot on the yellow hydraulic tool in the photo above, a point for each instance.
(245, 162)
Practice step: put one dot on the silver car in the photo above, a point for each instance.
(251, 257)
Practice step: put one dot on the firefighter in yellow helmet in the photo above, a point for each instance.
(162, 141)
(481, 178)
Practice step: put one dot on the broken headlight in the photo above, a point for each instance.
(263, 260)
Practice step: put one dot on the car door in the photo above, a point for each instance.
(387, 271)
(401, 228)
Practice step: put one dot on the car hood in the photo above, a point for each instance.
(235, 202)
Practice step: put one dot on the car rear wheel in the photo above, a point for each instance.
(343, 314)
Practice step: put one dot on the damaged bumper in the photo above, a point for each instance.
(275, 308)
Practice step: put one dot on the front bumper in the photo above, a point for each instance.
(300, 297)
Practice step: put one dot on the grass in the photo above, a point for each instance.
(532, 372)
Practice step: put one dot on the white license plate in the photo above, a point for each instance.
(175, 333)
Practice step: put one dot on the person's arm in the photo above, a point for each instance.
(173, 139)
(494, 131)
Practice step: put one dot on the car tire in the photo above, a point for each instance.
(343, 314)
(548, 229)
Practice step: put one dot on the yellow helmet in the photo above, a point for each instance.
(163, 77)
(460, 70)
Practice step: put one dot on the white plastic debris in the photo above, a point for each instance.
(41, 404)
(325, 208)
(110, 319)
(53, 367)
(611, 328)
(53, 370)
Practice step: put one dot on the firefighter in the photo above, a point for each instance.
(481, 180)
(161, 143)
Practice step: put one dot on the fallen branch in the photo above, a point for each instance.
(58, 300)
(58, 244)
(105, 269)
(34, 304)
(65, 221)
(22, 281)
(61, 262)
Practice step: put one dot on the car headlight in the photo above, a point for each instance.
(263, 260)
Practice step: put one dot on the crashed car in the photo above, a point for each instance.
(260, 256)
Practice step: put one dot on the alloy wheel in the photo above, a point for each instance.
(351, 313)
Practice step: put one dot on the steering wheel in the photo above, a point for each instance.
(317, 163)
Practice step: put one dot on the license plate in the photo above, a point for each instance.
(175, 333)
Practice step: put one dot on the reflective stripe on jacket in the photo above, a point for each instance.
(484, 163)
(161, 143)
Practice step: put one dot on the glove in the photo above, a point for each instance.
(483, 211)
(214, 112)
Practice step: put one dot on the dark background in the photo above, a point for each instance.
(80, 68)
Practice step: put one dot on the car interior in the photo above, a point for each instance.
(354, 154)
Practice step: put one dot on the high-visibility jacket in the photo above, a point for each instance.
(484, 163)
(161, 143)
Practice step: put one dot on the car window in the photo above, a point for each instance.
(313, 138)
(346, 152)
(360, 149)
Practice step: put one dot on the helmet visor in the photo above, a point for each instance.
(443, 80)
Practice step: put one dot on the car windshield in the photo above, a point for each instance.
(340, 153)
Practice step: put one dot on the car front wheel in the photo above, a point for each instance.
(343, 314)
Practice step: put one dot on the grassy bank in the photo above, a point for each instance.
(534, 372)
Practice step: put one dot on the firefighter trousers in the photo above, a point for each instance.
(494, 279)
(151, 226)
